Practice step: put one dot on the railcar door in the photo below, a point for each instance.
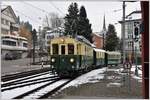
(63, 56)
(106, 59)
(62, 49)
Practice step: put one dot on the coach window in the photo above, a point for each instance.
(70, 49)
(55, 48)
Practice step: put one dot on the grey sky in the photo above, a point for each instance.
(95, 11)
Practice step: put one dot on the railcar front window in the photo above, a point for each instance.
(70, 49)
(55, 48)
(62, 49)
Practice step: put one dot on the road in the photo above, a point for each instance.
(11, 66)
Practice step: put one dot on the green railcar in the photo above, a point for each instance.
(70, 56)
(113, 57)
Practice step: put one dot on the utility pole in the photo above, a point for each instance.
(34, 39)
(136, 69)
(145, 48)
(123, 32)
(103, 42)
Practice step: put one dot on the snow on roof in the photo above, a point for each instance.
(13, 36)
(113, 52)
(99, 35)
(11, 10)
(99, 50)
(3, 7)
(49, 31)
(93, 45)
(23, 38)
(83, 39)
(134, 15)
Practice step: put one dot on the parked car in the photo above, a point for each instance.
(12, 56)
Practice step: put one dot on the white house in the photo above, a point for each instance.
(10, 40)
(132, 47)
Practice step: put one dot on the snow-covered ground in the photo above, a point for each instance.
(91, 77)
(18, 91)
(45, 90)
(97, 74)
(139, 77)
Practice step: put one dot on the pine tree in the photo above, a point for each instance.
(84, 28)
(112, 41)
(71, 20)
(77, 23)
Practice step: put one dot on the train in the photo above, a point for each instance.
(70, 56)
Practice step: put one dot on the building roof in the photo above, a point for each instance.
(13, 36)
(133, 20)
(99, 50)
(99, 35)
(134, 12)
(12, 11)
(132, 17)
(83, 39)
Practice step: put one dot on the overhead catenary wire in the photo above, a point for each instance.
(56, 7)
(23, 14)
(36, 7)
(27, 16)
(45, 10)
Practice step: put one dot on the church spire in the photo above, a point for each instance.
(104, 25)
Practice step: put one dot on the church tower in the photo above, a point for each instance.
(104, 25)
(104, 32)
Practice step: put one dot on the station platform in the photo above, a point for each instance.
(20, 65)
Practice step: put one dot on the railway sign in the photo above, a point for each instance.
(127, 65)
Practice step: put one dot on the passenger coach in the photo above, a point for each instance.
(113, 58)
(99, 57)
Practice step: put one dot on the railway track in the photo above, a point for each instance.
(54, 90)
(39, 85)
(41, 90)
(23, 74)
(25, 78)
(26, 82)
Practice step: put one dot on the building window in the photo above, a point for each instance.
(3, 21)
(7, 22)
(25, 44)
(10, 43)
(129, 44)
(129, 36)
(3, 31)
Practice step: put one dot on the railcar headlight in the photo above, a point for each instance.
(53, 59)
(71, 60)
